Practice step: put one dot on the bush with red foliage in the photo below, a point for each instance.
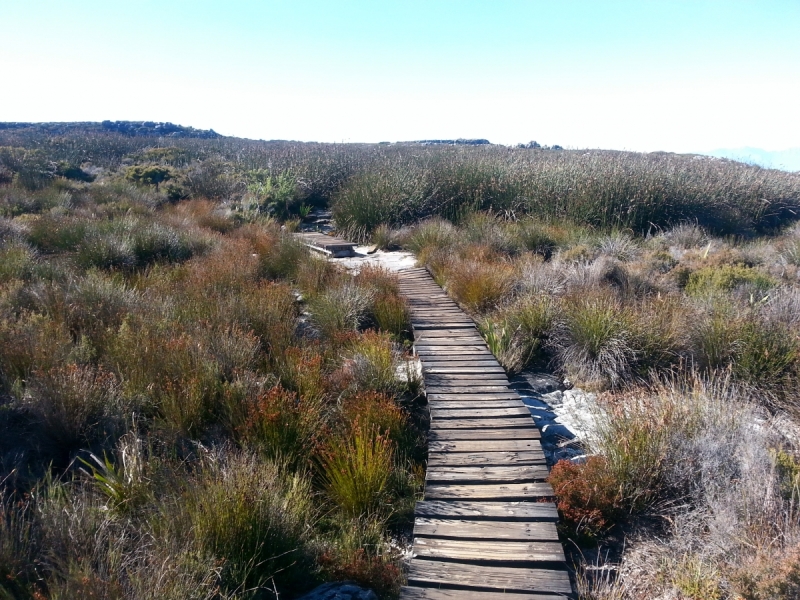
(589, 501)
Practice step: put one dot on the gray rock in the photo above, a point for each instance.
(340, 590)
(554, 398)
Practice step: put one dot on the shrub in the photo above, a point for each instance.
(340, 309)
(374, 362)
(283, 260)
(593, 341)
(725, 278)
(356, 468)
(588, 496)
(376, 410)
(56, 234)
(479, 286)
(279, 423)
(506, 343)
(253, 517)
(360, 552)
(390, 312)
(767, 355)
(430, 235)
(16, 262)
(72, 401)
(32, 342)
(301, 370)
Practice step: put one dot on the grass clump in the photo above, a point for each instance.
(356, 470)
(261, 533)
(725, 279)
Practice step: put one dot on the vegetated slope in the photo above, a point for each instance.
(147, 317)
(692, 475)
(396, 184)
(173, 422)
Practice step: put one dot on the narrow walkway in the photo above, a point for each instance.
(486, 529)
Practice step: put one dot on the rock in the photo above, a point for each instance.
(340, 590)
(554, 398)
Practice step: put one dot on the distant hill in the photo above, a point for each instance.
(128, 128)
(787, 160)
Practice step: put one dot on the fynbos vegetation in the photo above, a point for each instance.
(177, 424)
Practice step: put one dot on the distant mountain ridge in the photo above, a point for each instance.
(787, 160)
(129, 128)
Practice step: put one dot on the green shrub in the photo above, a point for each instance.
(283, 260)
(478, 285)
(279, 423)
(56, 234)
(594, 340)
(72, 403)
(374, 362)
(356, 469)
(16, 262)
(340, 309)
(253, 517)
(766, 355)
(725, 278)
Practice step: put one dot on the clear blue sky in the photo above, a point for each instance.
(645, 75)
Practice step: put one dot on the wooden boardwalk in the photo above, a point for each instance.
(327, 244)
(487, 526)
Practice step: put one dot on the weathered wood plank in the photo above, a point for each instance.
(491, 491)
(467, 475)
(485, 446)
(431, 572)
(489, 551)
(481, 459)
(428, 593)
(478, 413)
(438, 424)
(467, 390)
(477, 395)
(511, 531)
(487, 511)
(463, 370)
(442, 435)
(467, 403)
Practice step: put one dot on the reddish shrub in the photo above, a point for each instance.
(588, 495)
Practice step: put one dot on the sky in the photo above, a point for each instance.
(646, 75)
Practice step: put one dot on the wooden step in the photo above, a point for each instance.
(489, 491)
(487, 511)
(509, 579)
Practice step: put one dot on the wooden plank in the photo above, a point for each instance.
(445, 333)
(434, 342)
(427, 593)
(508, 474)
(489, 551)
(467, 390)
(441, 435)
(487, 511)
(463, 370)
(425, 347)
(485, 446)
(491, 491)
(436, 573)
(484, 459)
(478, 413)
(476, 404)
(461, 362)
(511, 531)
(417, 324)
(478, 395)
(510, 423)
(467, 378)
